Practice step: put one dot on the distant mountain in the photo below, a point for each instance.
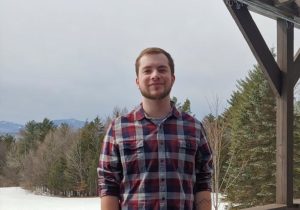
(10, 127)
(71, 122)
(14, 128)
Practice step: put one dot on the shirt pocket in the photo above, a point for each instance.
(187, 156)
(188, 146)
(132, 156)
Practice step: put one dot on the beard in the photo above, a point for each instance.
(160, 96)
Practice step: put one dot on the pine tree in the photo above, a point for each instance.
(82, 158)
(33, 134)
(297, 150)
(252, 125)
(56, 177)
(185, 107)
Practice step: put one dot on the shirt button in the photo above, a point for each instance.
(162, 179)
(163, 198)
(161, 161)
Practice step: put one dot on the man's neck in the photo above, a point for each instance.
(157, 108)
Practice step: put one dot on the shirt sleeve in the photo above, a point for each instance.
(109, 168)
(204, 164)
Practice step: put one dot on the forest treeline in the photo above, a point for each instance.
(63, 161)
(58, 160)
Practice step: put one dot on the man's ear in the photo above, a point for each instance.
(173, 79)
(137, 82)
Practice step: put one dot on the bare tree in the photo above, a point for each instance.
(117, 112)
(76, 169)
(215, 125)
(215, 128)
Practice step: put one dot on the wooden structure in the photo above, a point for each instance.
(282, 76)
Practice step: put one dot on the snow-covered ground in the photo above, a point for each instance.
(16, 198)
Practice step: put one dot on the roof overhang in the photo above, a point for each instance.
(285, 9)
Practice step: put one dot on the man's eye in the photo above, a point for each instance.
(147, 71)
(162, 70)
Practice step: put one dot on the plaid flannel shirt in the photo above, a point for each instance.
(149, 166)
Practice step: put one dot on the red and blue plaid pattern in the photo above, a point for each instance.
(150, 166)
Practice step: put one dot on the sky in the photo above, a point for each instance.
(65, 59)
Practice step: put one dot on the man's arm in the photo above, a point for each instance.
(203, 200)
(204, 169)
(109, 203)
(109, 172)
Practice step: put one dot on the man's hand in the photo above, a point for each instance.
(109, 203)
(203, 200)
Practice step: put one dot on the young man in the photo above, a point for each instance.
(155, 157)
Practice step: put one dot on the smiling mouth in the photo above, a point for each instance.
(155, 84)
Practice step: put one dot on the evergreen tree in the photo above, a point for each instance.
(56, 178)
(91, 137)
(251, 129)
(297, 150)
(34, 133)
(252, 125)
(83, 156)
(186, 107)
(6, 143)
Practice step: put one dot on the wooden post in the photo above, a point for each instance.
(284, 139)
(282, 77)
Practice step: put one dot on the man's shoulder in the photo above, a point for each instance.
(127, 117)
(189, 118)
(191, 125)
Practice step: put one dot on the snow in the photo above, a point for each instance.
(16, 198)
(222, 205)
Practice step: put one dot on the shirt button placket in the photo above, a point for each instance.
(162, 192)
(162, 168)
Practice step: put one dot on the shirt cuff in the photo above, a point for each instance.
(202, 187)
(111, 191)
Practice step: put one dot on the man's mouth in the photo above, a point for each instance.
(155, 84)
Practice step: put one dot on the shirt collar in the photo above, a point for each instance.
(139, 112)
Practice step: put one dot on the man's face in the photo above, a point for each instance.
(155, 79)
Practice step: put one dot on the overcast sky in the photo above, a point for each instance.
(75, 59)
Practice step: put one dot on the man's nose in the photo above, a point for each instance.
(155, 74)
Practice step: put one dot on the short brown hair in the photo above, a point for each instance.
(151, 51)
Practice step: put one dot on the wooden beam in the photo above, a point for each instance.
(296, 68)
(257, 44)
(297, 57)
(284, 136)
